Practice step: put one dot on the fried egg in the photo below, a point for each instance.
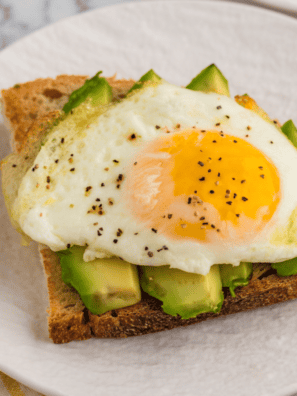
(166, 176)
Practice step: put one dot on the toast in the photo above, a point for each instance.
(27, 109)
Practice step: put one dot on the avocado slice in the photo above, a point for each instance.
(149, 76)
(290, 131)
(210, 79)
(183, 293)
(286, 268)
(235, 276)
(96, 88)
(103, 284)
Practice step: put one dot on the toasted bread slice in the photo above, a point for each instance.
(27, 109)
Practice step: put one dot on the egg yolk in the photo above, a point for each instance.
(202, 185)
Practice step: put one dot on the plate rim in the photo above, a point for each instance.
(257, 8)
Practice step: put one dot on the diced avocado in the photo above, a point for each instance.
(290, 131)
(248, 103)
(149, 76)
(210, 79)
(235, 276)
(183, 293)
(286, 268)
(103, 284)
(96, 88)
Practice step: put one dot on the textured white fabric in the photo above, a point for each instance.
(251, 353)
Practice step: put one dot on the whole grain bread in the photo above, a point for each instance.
(27, 109)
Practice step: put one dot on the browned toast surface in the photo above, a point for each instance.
(25, 103)
(27, 109)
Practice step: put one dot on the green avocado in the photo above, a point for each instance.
(149, 76)
(210, 79)
(96, 88)
(103, 284)
(183, 293)
(235, 276)
(290, 131)
(286, 268)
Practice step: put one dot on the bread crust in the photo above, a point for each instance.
(25, 103)
(27, 108)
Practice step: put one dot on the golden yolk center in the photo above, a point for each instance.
(203, 185)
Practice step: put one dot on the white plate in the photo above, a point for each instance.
(251, 353)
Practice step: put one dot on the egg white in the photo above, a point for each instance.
(57, 216)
